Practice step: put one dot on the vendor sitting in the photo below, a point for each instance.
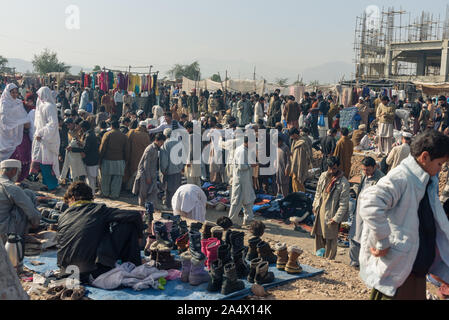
(358, 134)
(17, 207)
(94, 237)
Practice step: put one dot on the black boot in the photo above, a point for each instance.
(253, 266)
(224, 254)
(263, 276)
(175, 233)
(195, 245)
(161, 233)
(183, 227)
(252, 251)
(265, 252)
(206, 230)
(196, 226)
(230, 281)
(240, 265)
(216, 277)
(237, 240)
(228, 237)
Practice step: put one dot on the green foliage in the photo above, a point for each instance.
(96, 68)
(281, 81)
(216, 78)
(47, 61)
(191, 71)
(3, 62)
(314, 83)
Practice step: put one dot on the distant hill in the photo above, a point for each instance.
(26, 66)
(330, 72)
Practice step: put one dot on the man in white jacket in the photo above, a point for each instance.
(406, 232)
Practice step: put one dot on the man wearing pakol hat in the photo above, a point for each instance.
(17, 207)
(401, 152)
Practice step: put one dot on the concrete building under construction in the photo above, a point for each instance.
(391, 45)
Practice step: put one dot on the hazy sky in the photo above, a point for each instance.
(285, 34)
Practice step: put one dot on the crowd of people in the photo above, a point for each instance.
(105, 141)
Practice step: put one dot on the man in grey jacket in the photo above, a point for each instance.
(406, 231)
(170, 167)
(17, 207)
(370, 176)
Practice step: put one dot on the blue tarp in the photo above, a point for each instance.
(174, 290)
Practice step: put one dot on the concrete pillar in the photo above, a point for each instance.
(444, 67)
(421, 65)
(388, 61)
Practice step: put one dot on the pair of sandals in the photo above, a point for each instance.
(62, 293)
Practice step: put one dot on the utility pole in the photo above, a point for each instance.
(254, 75)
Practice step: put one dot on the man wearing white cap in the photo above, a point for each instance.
(17, 206)
(401, 152)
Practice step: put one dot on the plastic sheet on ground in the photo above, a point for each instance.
(174, 290)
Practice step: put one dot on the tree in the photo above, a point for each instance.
(314, 83)
(216, 78)
(3, 62)
(281, 81)
(96, 68)
(47, 62)
(191, 71)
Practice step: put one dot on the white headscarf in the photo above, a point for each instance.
(44, 95)
(12, 118)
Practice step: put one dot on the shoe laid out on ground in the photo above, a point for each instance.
(293, 266)
(186, 262)
(212, 251)
(263, 276)
(182, 243)
(195, 245)
(165, 260)
(206, 230)
(252, 248)
(216, 277)
(224, 254)
(265, 252)
(196, 226)
(217, 232)
(253, 266)
(198, 274)
(237, 242)
(241, 266)
(282, 255)
(230, 281)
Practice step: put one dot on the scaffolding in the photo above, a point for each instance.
(374, 34)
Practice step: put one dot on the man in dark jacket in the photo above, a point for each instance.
(90, 154)
(275, 112)
(94, 237)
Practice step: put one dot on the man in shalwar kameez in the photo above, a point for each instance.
(242, 185)
(145, 185)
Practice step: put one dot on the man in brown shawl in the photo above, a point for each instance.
(344, 151)
(145, 185)
(330, 208)
(300, 162)
(138, 141)
(291, 113)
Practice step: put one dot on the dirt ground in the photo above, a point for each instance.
(338, 282)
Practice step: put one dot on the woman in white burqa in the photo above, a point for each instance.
(46, 139)
(13, 117)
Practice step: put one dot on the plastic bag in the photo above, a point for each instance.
(321, 122)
